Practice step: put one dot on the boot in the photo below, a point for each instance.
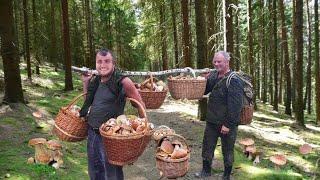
(206, 170)
(227, 173)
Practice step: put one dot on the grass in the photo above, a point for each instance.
(46, 94)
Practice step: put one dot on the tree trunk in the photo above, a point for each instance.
(316, 59)
(91, 61)
(175, 34)
(263, 54)
(294, 78)
(299, 63)
(211, 18)
(26, 36)
(53, 44)
(35, 36)
(229, 30)
(286, 62)
(186, 34)
(164, 54)
(250, 44)
(236, 57)
(275, 56)
(271, 49)
(66, 46)
(12, 79)
(201, 50)
(308, 85)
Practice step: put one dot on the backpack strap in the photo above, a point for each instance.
(233, 74)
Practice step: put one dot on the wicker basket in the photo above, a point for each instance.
(246, 115)
(173, 168)
(153, 99)
(69, 127)
(125, 149)
(187, 88)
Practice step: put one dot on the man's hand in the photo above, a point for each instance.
(224, 130)
(86, 78)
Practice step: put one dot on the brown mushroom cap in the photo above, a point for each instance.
(167, 147)
(305, 149)
(278, 159)
(54, 145)
(36, 141)
(247, 141)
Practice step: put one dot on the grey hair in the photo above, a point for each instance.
(225, 54)
(104, 52)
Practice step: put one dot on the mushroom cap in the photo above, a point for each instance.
(167, 147)
(305, 149)
(247, 141)
(36, 141)
(278, 159)
(251, 149)
(54, 145)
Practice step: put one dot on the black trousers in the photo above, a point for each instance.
(211, 135)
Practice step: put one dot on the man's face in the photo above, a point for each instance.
(220, 63)
(104, 64)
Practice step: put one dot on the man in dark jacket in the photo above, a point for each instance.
(105, 99)
(223, 115)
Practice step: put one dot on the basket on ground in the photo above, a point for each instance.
(125, 149)
(68, 126)
(187, 88)
(246, 115)
(173, 168)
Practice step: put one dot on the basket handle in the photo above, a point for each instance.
(143, 113)
(151, 80)
(74, 100)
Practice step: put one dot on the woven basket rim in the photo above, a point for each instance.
(120, 136)
(166, 90)
(188, 80)
(173, 160)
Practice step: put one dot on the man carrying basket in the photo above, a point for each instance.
(223, 115)
(105, 99)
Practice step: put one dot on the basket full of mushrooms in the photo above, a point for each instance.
(126, 137)
(152, 92)
(172, 156)
(188, 87)
(68, 125)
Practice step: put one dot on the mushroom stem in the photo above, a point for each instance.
(256, 160)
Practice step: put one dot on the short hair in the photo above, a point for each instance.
(105, 51)
(225, 54)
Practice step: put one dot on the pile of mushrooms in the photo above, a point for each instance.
(171, 148)
(152, 84)
(161, 132)
(75, 110)
(46, 152)
(125, 125)
(187, 77)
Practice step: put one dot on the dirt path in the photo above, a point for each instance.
(183, 123)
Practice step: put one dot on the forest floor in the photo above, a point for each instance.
(273, 133)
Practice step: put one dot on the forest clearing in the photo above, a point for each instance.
(171, 78)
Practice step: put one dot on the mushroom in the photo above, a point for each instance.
(257, 156)
(278, 160)
(246, 142)
(305, 149)
(42, 155)
(179, 152)
(250, 150)
(166, 146)
(55, 148)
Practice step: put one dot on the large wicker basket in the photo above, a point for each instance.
(246, 115)
(69, 127)
(125, 149)
(187, 88)
(153, 99)
(173, 168)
